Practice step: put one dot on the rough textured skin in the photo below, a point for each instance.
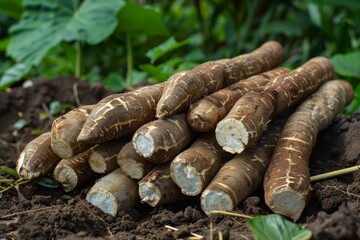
(66, 129)
(242, 175)
(186, 87)
(202, 159)
(288, 173)
(103, 158)
(251, 113)
(205, 113)
(167, 137)
(121, 114)
(132, 163)
(161, 184)
(73, 172)
(114, 192)
(37, 158)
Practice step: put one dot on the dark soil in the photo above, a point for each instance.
(37, 212)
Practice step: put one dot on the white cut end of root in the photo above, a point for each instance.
(187, 178)
(287, 202)
(103, 200)
(67, 177)
(144, 145)
(96, 164)
(216, 200)
(62, 148)
(149, 194)
(232, 135)
(132, 168)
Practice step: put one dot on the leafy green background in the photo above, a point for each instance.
(122, 42)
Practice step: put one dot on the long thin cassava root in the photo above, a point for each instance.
(287, 180)
(247, 120)
(204, 114)
(186, 87)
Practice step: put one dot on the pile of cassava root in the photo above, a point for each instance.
(217, 131)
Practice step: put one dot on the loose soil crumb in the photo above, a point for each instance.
(37, 212)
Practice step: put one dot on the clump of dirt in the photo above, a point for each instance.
(36, 212)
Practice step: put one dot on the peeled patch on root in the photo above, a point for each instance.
(232, 135)
(67, 177)
(61, 148)
(149, 194)
(187, 178)
(144, 145)
(287, 202)
(103, 200)
(214, 200)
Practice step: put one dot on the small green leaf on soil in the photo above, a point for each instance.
(47, 182)
(55, 107)
(274, 226)
(65, 197)
(10, 171)
(36, 132)
(20, 124)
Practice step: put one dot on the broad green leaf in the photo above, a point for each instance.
(157, 73)
(114, 81)
(13, 75)
(10, 171)
(347, 65)
(12, 8)
(47, 182)
(352, 5)
(166, 47)
(4, 43)
(274, 226)
(44, 24)
(55, 107)
(288, 28)
(136, 19)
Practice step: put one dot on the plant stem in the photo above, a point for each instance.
(78, 60)
(231, 214)
(129, 58)
(334, 173)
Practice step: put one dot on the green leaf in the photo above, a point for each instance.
(13, 75)
(4, 43)
(114, 81)
(166, 47)
(55, 107)
(274, 226)
(45, 24)
(10, 171)
(347, 65)
(352, 5)
(20, 124)
(136, 19)
(65, 197)
(12, 8)
(47, 182)
(288, 28)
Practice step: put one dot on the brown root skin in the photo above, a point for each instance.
(158, 188)
(161, 140)
(238, 178)
(37, 158)
(287, 180)
(132, 163)
(250, 115)
(186, 87)
(114, 192)
(193, 168)
(205, 113)
(121, 114)
(66, 129)
(73, 172)
(103, 158)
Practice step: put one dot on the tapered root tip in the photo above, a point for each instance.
(216, 200)
(232, 135)
(144, 145)
(103, 200)
(62, 148)
(203, 117)
(97, 163)
(67, 177)
(187, 178)
(22, 168)
(149, 194)
(288, 203)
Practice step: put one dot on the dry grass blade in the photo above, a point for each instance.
(231, 214)
(333, 174)
(197, 236)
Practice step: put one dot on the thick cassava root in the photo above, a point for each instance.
(247, 120)
(204, 114)
(37, 158)
(186, 87)
(121, 114)
(75, 171)
(157, 187)
(66, 129)
(287, 180)
(242, 175)
(161, 140)
(193, 168)
(132, 163)
(114, 192)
